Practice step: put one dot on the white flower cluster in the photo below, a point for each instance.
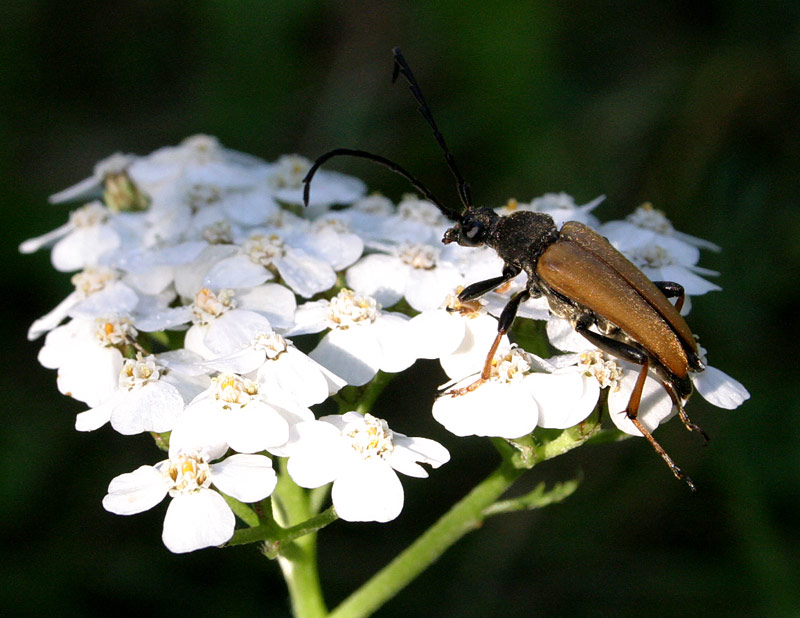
(191, 262)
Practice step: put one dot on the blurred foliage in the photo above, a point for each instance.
(690, 105)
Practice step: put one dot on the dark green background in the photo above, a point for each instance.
(691, 105)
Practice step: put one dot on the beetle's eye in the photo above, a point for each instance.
(473, 233)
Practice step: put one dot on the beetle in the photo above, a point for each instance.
(584, 279)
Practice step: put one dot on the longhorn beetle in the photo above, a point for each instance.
(584, 279)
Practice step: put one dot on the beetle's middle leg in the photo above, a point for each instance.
(639, 357)
(503, 326)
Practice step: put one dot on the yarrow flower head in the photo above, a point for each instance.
(197, 516)
(361, 456)
(214, 311)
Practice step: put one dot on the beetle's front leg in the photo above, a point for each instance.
(478, 289)
(638, 357)
(503, 326)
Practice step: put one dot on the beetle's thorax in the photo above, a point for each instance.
(521, 237)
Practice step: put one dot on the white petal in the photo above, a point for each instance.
(243, 361)
(437, 333)
(310, 317)
(298, 376)
(254, 427)
(115, 298)
(135, 491)
(234, 330)
(493, 409)
(194, 341)
(368, 491)
(315, 454)
(353, 354)
(153, 407)
(275, 302)
(238, 271)
(428, 289)
(470, 356)
(84, 247)
(200, 427)
(407, 451)
(34, 244)
(163, 319)
(565, 398)
(96, 417)
(83, 189)
(397, 342)
(92, 375)
(305, 274)
(197, 520)
(719, 389)
(338, 249)
(189, 276)
(48, 322)
(384, 277)
(692, 284)
(248, 478)
(563, 336)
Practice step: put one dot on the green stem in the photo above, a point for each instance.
(463, 517)
(298, 559)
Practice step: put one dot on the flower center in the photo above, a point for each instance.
(370, 437)
(412, 208)
(201, 149)
(199, 195)
(271, 343)
(651, 256)
(422, 257)
(290, 171)
(92, 279)
(374, 203)
(218, 233)
(347, 309)
(233, 389)
(607, 372)
(511, 366)
(89, 215)
(209, 306)
(115, 332)
(187, 472)
(264, 250)
(137, 372)
(650, 218)
(332, 223)
(121, 194)
(468, 309)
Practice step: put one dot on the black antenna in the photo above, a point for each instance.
(391, 165)
(401, 68)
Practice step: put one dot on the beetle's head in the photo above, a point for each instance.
(473, 227)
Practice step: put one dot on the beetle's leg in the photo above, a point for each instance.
(478, 289)
(634, 355)
(632, 412)
(670, 289)
(687, 422)
(503, 326)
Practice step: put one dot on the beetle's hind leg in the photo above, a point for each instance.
(670, 289)
(639, 357)
(687, 422)
(632, 412)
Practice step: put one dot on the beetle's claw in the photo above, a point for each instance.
(457, 392)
